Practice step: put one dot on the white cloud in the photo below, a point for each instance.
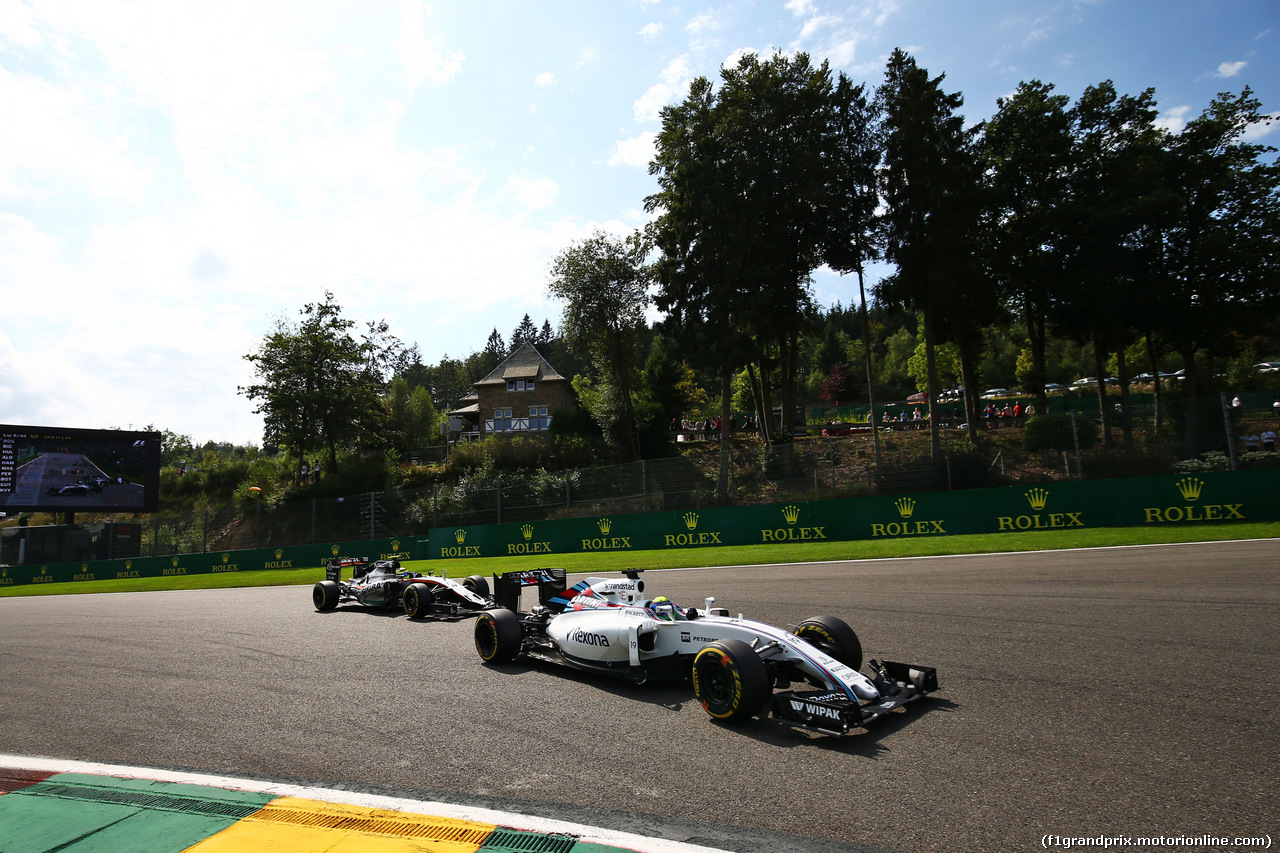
(424, 56)
(651, 31)
(546, 78)
(673, 80)
(1230, 69)
(1258, 131)
(531, 193)
(637, 151)
(1173, 119)
(800, 8)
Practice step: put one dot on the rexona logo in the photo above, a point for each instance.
(605, 542)
(906, 508)
(528, 546)
(1190, 488)
(1038, 498)
(792, 532)
(463, 549)
(694, 536)
(587, 638)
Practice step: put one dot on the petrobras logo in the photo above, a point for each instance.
(587, 638)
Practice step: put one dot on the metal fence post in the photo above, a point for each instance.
(1226, 422)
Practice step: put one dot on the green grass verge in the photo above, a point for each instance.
(803, 552)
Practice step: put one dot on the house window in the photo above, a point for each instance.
(501, 420)
(538, 417)
(519, 385)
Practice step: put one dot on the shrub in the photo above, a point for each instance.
(1054, 432)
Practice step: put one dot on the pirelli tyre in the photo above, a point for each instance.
(478, 585)
(417, 600)
(730, 681)
(325, 595)
(833, 636)
(498, 636)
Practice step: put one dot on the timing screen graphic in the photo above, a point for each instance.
(62, 469)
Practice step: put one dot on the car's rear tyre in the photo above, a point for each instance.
(730, 681)
(417, 600)
(477, 584)
(325, 595)
(833, 636)
(498, 636)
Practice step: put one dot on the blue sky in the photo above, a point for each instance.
(175, 175)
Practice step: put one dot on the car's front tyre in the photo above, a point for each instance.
(833, 636)
(498, 636)
(730, 681)
(477, 584)
(417, 600)
(325, 595)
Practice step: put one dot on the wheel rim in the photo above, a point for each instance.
(410, 601)
(716, 685)
(486, 638)
(317, 596)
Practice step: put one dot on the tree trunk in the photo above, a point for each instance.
(931, 368)
(871, 379)
(1100, 365)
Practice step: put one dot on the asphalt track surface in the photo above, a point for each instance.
(1128, 693)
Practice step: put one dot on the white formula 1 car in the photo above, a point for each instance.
(609, 625)
(383, 585)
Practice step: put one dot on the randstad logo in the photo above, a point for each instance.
(1191, 489)
(693, 537)
(1038, 499)
(792, 533)
(906, 508)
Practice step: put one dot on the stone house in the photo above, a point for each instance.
(519, 397)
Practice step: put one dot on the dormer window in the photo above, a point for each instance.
(519, 385)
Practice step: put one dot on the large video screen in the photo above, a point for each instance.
(60, 469)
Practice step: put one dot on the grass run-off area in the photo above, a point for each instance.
(803, 552)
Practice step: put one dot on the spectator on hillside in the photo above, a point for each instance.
(1269, 439)
(1250, 442)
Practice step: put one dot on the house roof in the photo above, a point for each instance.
(525, 363)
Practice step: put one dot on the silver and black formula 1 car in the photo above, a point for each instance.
(609, 625)
(383, 585)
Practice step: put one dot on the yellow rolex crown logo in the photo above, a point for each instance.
(128, 564)
(1190, 488)
(791, 512)
(279, 553)
(460, 535)
(395, 544)
(334, 550)
(605, 526)
(1037, 498)
(175, 561)
(226, 557)
(905, 506)
(527, 531)
(84, 567)
(691, 520)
